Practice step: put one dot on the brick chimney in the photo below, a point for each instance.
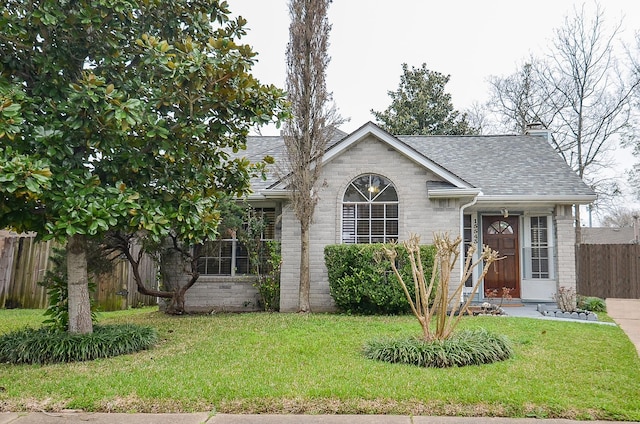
(538, 129)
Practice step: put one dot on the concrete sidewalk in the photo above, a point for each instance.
(626, 313)
(204, 418)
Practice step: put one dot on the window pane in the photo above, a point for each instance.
(392, 211)
(377, 228)
(348, 211)
(202, 266)
(362, 185)
(387, 195)
(269, 217)
(363, 211)
(353, 195)
(242, 265)
(363, 228)
(541, 253)
(377, 210)
(500, 227)
(225, 266)
(226, 248)
(392, 229)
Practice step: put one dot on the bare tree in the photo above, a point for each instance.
(632, 141)
(621, 217)
(313, 122)
(579, 92)
(587, 88)
(479, 118)
(519, 99)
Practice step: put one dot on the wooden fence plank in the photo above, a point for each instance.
(24, 262)
(609, 270)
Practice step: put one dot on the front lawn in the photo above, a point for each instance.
(289, 363)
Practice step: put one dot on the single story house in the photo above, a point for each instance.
(511, 192)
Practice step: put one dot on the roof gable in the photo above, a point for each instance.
(503, 166)
(371, 129)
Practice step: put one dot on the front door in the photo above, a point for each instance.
(501, 234)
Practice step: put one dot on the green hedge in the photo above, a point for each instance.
(361, 283)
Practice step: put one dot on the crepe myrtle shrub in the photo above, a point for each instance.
(360, 283)
(439, 345)
(566, 298)
(469, 347)
(48, 345)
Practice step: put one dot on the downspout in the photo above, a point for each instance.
(462, 261)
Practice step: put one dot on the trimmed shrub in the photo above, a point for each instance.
(470, 347)
(360, 283)
(591, 303)
(47, 345)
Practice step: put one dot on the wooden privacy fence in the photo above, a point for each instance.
(24, 262)
(609, 270)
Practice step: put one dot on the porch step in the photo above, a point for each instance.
(506, 303)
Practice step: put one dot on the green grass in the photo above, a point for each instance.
(289, 363)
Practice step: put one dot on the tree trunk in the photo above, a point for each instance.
(78, 286)
(303, 299)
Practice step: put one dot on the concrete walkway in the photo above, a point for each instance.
(626, 313)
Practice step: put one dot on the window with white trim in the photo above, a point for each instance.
(370, 211)
(539, 249)
(228, 256)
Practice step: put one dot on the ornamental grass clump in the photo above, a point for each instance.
(47, 345)
(439, 346)
(469, 347)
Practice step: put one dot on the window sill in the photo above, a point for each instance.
(227, 278)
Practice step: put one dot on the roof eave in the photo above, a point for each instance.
(270, 194)
(449, 193)
(579, 199)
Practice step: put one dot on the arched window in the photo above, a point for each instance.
(370, 211)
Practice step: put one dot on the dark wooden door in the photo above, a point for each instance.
(501, 234)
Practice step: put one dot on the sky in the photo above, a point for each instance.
(470, 40)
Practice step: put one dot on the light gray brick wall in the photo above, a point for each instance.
(222, 294)
(417, 214)
(566, 245)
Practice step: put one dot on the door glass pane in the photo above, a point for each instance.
(500, 227)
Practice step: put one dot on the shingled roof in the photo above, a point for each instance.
(518, 165)
(502, 165)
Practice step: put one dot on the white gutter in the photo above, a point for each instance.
(461, 257)
(448, 193)
(269, 194)
(577, 199)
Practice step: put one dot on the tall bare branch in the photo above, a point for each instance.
(314, 119)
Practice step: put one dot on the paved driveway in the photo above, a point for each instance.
(626, 313)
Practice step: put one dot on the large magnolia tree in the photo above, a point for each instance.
(128, 110)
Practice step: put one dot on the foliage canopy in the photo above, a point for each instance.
(421, 106)
(121, 115)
